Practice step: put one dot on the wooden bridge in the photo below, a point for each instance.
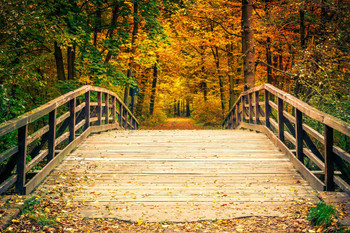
(173, 175)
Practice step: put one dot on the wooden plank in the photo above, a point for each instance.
(114, 109)
(290, 138)
(36, 160)
(341, 153)
(329, 160)
(274, 124)
(342, 184)
(250, 101)
(8, 153)
(243, 108)
(273, 105)
(79, 125)
(38, 178)
(8, 183)
(31, 138)
(319, 163)
(319, 137)
(120, 116)
(95, 128)
(314, 181)
(61, 138)
(80, 106)
(61, 118)
(72, 119)
(21, 159)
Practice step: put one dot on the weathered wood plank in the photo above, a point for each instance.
(8, 153)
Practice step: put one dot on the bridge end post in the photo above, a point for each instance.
(21, 159)
(267, 109)
(87, 110)
(329, 158)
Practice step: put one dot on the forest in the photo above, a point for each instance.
(175, 57)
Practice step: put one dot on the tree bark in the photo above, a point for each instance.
(71, 61)
(110, 32)
(59, 62)
(230, 62)
(188, 112)
(153, 91)
(302, 24)
(248, 44)
(133, 49)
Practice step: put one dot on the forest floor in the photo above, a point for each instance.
(181, 123)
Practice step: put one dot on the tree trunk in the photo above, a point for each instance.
(59, 62)
(188, 113)
(268, 45)
(248, 44)
(302, 24)
(71, 60)
(230, 62)
(133, 49)
(153, 91)
(110, 32)
(98, 23)
(174, 108)
(141, 96)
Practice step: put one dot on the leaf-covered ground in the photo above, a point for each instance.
(177, 123)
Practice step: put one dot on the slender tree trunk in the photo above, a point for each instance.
(188, 112)
(302, 24)
(268, 45)
(141, 95)
(174, 108)
(98, 23)
(110, 32)
(178, 108)
(71, 61)
(248, 44)
(230, 62)
(153, 91)
(59, 62)
(130, 71)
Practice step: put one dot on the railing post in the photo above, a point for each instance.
(99, 108)
(243, 104)
(257, 106)
(231, 120)
(329, 158)
(280, 119)
(113, 109)
(267, 109)
(299, 134)
(120, 115)
(126, 119)
(237, 114)
(87, 110)
(21, 159)
(52, 134)
(72, 104)
(250, 100)
(106, 108)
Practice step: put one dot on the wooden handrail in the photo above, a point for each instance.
(59, 129)
(284, 126)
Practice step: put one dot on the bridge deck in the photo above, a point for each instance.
(178, 176)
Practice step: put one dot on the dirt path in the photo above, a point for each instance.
(177, 123)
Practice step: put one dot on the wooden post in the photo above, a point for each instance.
(299, 134)
(280, 119)
(257, 106)
(99, 108)
(52, 134)
(267, 109)
(329, 158)
(113, 110)
(237, 114)
(72, 104)
(21, 159)
(120, 115)
(126, 119)
(231, 120)
(250, 99)
(243, 114)
(106, 108)
(87, 110)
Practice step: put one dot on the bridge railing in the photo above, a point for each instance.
(302, 132)
(42, 137)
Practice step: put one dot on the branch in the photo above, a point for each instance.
(281, 71)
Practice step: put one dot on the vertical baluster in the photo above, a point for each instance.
(52, 134)
(21, 159)
(72, 105)
(126, 119)
(329, 158)
(106, 108)
(267, 109)
(237, 114)
(280, 119)
(120, 115)
(299, 134)
(243, 108)
(87, 110)
(257, 106)
(250, 99)
(99, 108)
(231, 120)
(113, 110)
